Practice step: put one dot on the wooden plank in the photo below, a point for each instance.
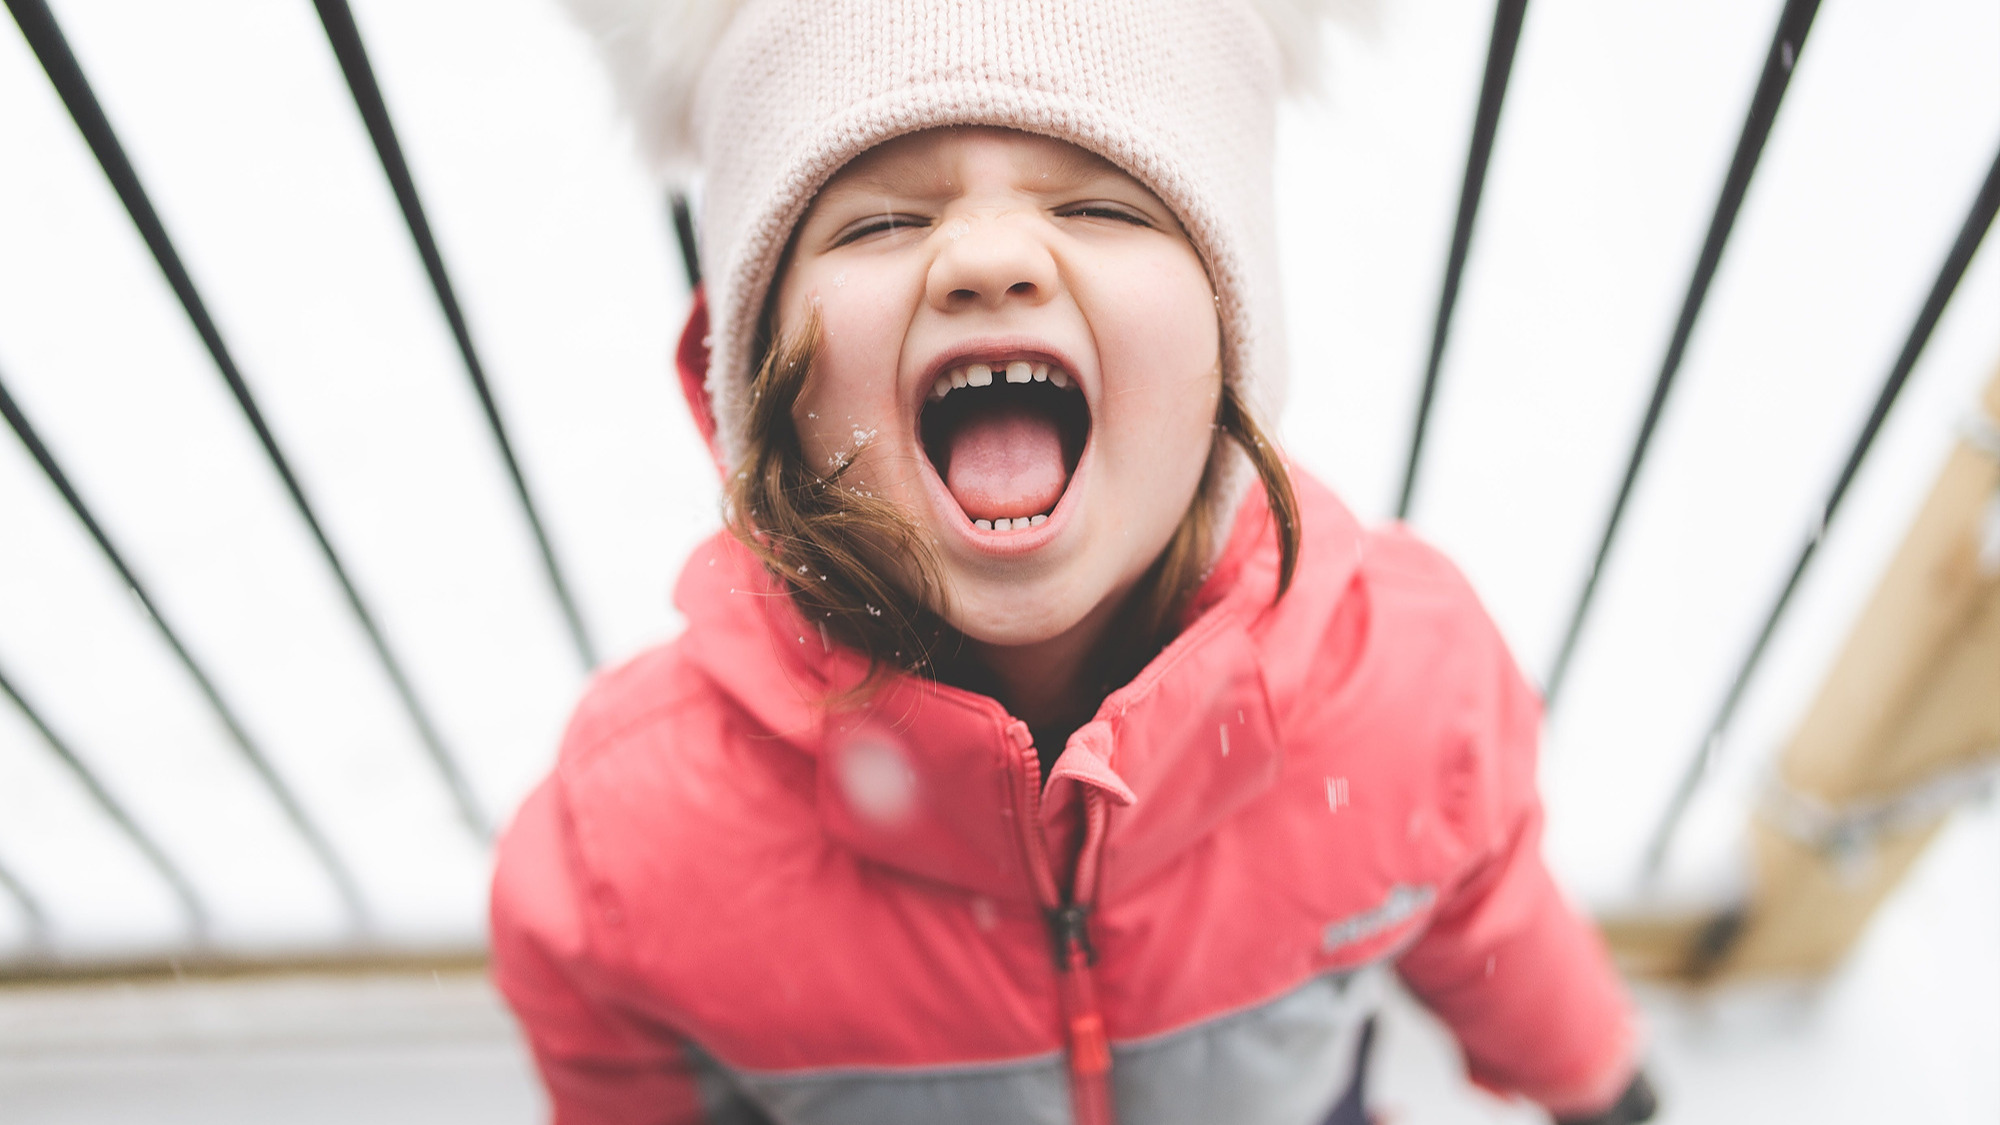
(1810, 907)
(1914, 694)
(1922, 602)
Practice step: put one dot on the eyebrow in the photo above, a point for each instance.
(1075, 165)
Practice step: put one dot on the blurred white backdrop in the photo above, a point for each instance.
(1617, 129)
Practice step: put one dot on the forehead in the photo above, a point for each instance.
(938, 161)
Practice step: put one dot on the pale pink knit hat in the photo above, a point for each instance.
(767, 99)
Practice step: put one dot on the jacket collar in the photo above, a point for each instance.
(926, 777)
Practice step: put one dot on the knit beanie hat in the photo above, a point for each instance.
(767, 99)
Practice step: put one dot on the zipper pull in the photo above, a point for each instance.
(1089, 1050)
(1069, 925)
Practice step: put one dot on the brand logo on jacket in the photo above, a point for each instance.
(1402, 903)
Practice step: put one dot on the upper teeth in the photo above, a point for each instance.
(981, 375)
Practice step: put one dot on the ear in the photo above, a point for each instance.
(691, 360)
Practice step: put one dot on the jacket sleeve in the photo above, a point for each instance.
(601, 1065)
(1524, 983)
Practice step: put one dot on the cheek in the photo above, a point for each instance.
(852, 390)
(1163, 372)
(1158, 309)
(1166, 449)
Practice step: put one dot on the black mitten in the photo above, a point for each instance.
(1636, 1104)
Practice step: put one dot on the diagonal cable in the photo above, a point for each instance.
(1786, 44)
(1974, 229)
(176, 880)
(45, 37)
(322, 849)
(341, 32)
(1507, 19)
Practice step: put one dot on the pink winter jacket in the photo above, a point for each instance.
(729, 903)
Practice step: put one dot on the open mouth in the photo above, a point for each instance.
(1005, 437)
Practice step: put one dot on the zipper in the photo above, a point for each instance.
(1089, 1050)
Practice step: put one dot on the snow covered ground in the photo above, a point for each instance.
(1617, 129)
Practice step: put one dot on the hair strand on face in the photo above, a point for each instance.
(829, 545)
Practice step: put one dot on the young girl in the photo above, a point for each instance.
(1041, 746)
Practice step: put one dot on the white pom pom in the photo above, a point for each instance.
(1296, 26)
(655, 50)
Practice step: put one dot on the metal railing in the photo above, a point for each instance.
(51, 49)
(46, 39)
(1788, 42)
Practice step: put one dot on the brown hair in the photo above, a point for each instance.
(830, 545)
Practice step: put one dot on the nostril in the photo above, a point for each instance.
(1022, 288)
(964, 295)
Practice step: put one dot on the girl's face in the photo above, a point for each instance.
(1019, 348)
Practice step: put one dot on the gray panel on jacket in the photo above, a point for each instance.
(1282, 1063)
(1035, 1093)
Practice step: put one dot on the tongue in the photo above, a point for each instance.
(1006, 462)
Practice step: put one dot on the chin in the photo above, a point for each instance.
(1023, 614)
(992, 620)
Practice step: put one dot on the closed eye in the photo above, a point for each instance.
(1095, 209)
(877, 224)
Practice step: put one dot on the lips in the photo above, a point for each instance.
(1004, 434)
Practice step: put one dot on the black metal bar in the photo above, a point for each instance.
(31, 909)
(190, 900)
(322, 849)
(1974, 229)
(39, 27)
(677, 206)
(1507, 19)
(1786, 44)
(341, 32)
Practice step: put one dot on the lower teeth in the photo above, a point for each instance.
(1019, 524)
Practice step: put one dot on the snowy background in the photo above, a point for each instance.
(1618, 127)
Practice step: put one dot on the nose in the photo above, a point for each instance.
(987, 261)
